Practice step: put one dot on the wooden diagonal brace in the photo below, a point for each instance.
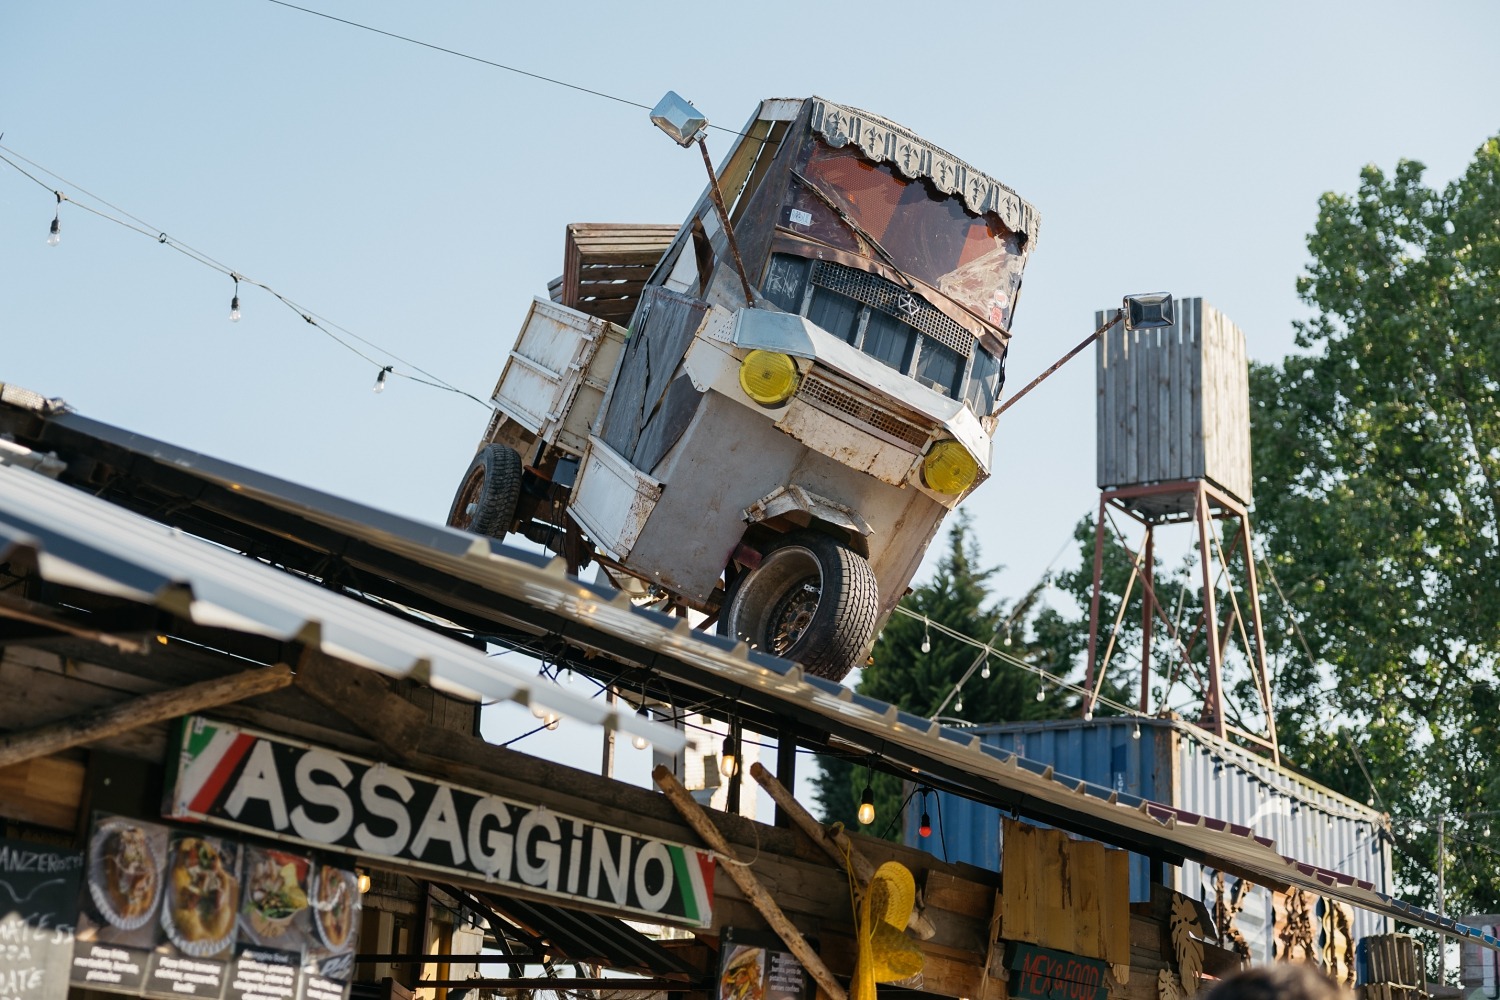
(142, 711)
(748, 883)
(832, 839)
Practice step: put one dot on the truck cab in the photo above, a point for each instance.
(777, 433)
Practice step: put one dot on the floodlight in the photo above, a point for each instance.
(678, 118)
(1151, 311)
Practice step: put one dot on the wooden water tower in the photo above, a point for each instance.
(1174, 448)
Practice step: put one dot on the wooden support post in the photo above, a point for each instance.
(832, 839)
(143, 711)
(748, 883)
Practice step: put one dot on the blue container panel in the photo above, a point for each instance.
(1102, 754)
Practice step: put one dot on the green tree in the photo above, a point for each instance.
(901, 673)
(1377, 455)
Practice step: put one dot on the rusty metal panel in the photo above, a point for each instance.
(1174, 404)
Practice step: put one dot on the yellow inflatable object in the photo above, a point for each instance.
(885, 954)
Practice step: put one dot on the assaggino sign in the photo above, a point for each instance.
(247, 780)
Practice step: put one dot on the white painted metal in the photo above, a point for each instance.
(612, 499)
(555, 377)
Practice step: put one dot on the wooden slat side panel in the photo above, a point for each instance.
(1114, 900)
(46, 791)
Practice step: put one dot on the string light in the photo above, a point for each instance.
(927, 635)
(1041, 691)
(867, 806)
(140, 226)
(380, 379)
(55, 236)
(1135, 732)
(729, 763)
(984, 670)
(924, 829)
(234, 303)
(638, 741)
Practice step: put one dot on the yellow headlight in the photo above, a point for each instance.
(948, 468)
(767, 377)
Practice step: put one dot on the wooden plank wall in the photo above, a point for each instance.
(1173, 404)
(1065, 894)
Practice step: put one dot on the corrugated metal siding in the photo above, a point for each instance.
(1187, 768)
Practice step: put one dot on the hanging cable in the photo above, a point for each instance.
(320, 323)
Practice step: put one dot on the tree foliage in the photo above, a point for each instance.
(921, 682)
(1377, 457)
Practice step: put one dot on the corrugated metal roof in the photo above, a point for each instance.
(598, 617)
(80, 541)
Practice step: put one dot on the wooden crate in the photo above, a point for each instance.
(1174, 404)
(606, 264)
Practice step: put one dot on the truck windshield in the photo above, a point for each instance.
(972, 259)
(890, 324)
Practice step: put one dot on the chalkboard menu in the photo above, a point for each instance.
(182, 914)
(38, 911)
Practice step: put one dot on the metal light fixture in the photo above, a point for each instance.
(1151, 311)
(685, 125)
(677, 117)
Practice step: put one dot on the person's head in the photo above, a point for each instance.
(1282, 981)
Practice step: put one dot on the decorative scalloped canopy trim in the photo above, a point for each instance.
(883, 141)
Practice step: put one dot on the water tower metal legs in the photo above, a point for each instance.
(1174, 503)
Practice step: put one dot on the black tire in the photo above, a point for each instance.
(486, 499)
(811, 600)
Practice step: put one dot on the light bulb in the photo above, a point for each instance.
(553, 720)
(926, 643)
(958, 706)
(925, 830)
(234, 309)
(1041, 694)
(538, 711)
(640, 742)
(867, 806)
(55, 236)
(729, 763)
(1007, 638)
(984, 671)
(1088, 716)
(1135, 733)
(380, 379)
(364, 882)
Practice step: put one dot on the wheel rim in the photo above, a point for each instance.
(467, 503)
(776, 605)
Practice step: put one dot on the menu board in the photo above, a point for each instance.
(757, 966)
(38, 910)
(176, 913)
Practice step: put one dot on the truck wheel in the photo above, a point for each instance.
(486, 500)
(811, 600)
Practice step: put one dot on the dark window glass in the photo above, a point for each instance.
(889, 340)
(785, 280)
(834, 313)
(984, 382)
(939, 367)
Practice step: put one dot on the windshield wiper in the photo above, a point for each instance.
(859, 231)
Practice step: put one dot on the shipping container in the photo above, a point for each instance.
(1180, 765)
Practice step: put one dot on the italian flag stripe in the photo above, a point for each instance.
(208, 767)
(695, 873)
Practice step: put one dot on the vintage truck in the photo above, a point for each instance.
(766, 424)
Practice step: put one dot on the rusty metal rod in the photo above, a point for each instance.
(1061, 361)
(718, 199)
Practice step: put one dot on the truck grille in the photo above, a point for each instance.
(827, 396)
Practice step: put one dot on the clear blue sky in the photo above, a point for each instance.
(419, 199)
